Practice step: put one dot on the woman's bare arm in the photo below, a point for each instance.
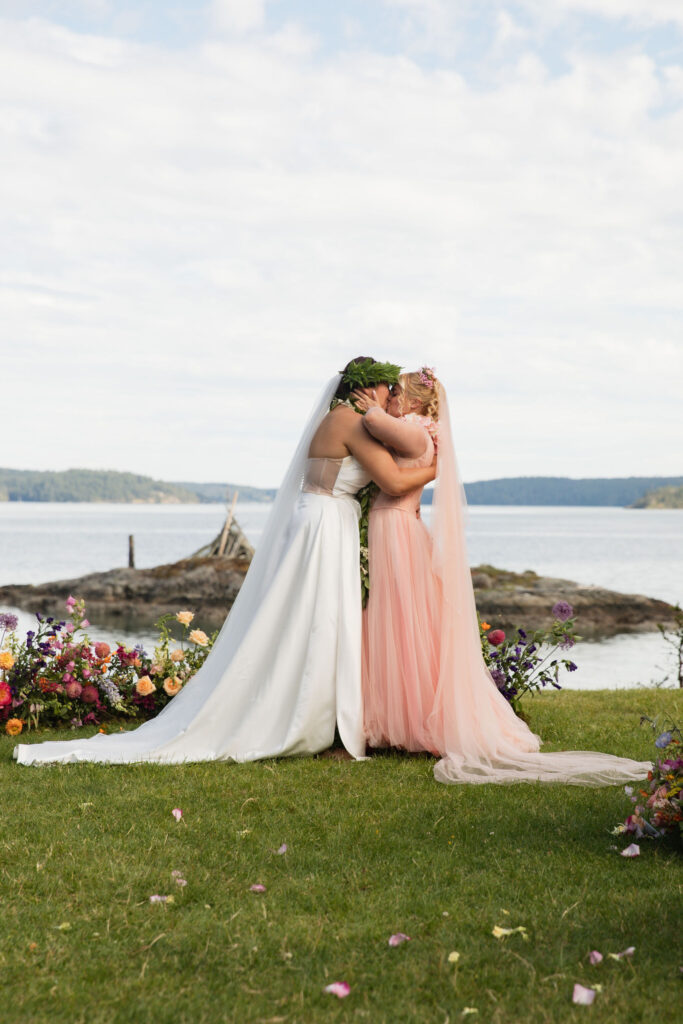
(406, 438)
(375, 458)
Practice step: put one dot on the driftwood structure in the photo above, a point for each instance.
(231, 542)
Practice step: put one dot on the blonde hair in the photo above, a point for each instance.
(415, 390)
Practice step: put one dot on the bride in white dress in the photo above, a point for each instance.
(286, 665)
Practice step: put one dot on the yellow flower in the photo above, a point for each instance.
(185, 618)
(171, 686)
(197, 636)
(177, 655)
(6, 659)
(145, 686)
(13, 726)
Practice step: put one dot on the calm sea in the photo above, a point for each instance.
(633, 551)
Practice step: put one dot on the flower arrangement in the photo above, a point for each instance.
(517, 664)
(58, 675)
(658, 809)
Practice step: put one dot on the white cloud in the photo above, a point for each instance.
(194, 240)
(238, 15)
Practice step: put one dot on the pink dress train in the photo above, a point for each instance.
(402, 620)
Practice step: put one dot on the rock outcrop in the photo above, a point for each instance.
(133, 598)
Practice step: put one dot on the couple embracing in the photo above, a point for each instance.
(298, 655)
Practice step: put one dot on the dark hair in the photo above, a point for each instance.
(344, 390)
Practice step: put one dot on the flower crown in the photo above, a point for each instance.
(366, 374)
(427, 376)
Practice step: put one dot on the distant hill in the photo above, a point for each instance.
(223, 492)
(561, 490)
(112, 486)
(89, 485)
(662, 497)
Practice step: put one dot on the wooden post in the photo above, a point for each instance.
(228, 524)
(131, 551)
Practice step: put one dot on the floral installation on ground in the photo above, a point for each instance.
(517, 663)
(57, 675)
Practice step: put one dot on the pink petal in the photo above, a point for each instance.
(338, 988)
(158, 899)
(631, 851)
(257, 888)
(180, 881)
(177, 813)
(282, 849)
(176, 874)
(595, 957)
(398, 938)
(584, 996)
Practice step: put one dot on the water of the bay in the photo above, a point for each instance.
(632, 551)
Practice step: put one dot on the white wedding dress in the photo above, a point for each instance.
(287, 664)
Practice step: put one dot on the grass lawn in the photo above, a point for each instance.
(374, 848)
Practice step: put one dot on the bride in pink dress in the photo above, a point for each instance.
(402, 620)
(426, 685)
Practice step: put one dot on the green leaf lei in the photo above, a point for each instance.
(366, 374)
(365, 498)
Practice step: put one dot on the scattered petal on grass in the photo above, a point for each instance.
(65, 926)
(338, 988)
(631, 851)
(176, 874)
(177, 813)
(625, 952)
(628, 790)
(501, 933)
(467, 1010)
(453, 957)
(594, 956)
(257, 887)
(181, 882)
(398, 938)
(282, 849)
(583, 996)
(156, 898)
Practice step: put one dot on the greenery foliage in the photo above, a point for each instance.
(373, 849)
(364, 373)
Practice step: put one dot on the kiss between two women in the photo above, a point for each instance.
(299, 656)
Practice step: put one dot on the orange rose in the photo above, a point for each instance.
(13, 726)
(6, 660)
(185, 618)
(177, 655)
(172, 685)
(199, 637)
(486, 625)
(145, 686)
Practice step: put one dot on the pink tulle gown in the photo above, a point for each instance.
(402, 620)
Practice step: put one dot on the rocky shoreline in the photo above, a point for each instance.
(134, 598)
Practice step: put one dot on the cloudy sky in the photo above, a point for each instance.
(207, 208)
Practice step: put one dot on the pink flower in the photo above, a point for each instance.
(496, 637)
(89, 695)
(631, 851)
(594, 956)
(102, 649)
(282, 849)
(257, 888)
(70, 602)
(69, 627)
(583, 996)
(177, 813)
(5, 695)
(85, 624)
(74, 689)
(398, 939)
(338, 988)
(86, 673)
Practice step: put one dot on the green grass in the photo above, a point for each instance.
(373, 848)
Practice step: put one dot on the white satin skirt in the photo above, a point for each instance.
(281, 684)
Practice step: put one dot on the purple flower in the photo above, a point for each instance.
(498, 677)
(8, 621)
(522, 634)
(571, 666)
(562, 611)
(567, 642)
(663, 740)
